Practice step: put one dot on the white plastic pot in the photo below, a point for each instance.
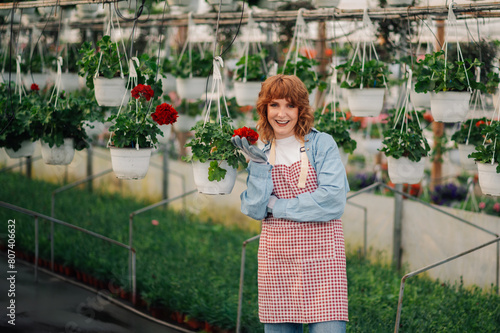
(58, 155)
(489, 179)
(464, 151)
(111, 92)
(185, 123)
(130, 163)
(399, 3)
(191, 88)
(27, 149)
(402, 170)
(365, 102)
(225, 186)
(450, 106)
(326, 3)
(246, 93)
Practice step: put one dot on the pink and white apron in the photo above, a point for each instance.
(302, 270)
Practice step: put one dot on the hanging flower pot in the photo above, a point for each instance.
(130, 163)
(246, 93)
(205, 186)
(464, 151)
(225, 5)
(191, 88)
(450, 106)
(489, 179)
(27, 149)
(111, 92)
(402, 170)
(365, 102)
(399, 3)
(58, 155)
(326, 3)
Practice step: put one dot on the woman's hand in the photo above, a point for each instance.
(254, 153)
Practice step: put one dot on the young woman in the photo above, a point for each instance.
(297, 186)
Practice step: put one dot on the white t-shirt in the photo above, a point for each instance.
(287, 151)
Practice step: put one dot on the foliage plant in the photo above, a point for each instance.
(65, 119)
(18, 121)
(212, 142)
(338, 128)
(105, 57)
(136, 126)
(488, 151)
(455, 76)
(471, 129)
(405, 139)
(200, 65)
(372, 75)
(255, 67)
(303, 68)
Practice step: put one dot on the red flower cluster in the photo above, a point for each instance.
(165, 114)
(480, 122)
(248, 133)
(142, 90)
(34, 87)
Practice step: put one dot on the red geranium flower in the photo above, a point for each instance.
(165, 114)
(480, 122)
(34, 87)
(248, 133)
(142, 90)
(428, 117)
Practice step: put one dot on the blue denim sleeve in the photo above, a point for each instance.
(259, 188)
(329, 199)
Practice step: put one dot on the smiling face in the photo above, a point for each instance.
(282, 116)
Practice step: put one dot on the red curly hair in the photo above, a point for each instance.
(291, 88)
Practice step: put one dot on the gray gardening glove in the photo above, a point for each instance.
(254, 153)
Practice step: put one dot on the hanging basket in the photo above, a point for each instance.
(400, 3)
(130, 163)
(111, 92)
(404, 171)
(246, 93)
(365, 102)
(450, 106)
(58, 155)
(27, 149)
(464, 151)
(326, 3)
(489, 179)
(191, 88)
(225, 186)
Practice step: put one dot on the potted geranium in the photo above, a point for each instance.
(215, 159)
(450, 84)
(62, 128)
(365, 86)
(18, 123)
(467, 137)
(338, 126)
(134, 132)
(104, 72)
(250, 73)
(487, 156)
(405, 148)
(191, 72)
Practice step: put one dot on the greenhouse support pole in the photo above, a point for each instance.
(438, 127)
(29, 166)
(398, 226)
(165, 172)
(90, 168)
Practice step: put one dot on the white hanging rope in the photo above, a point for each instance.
(19, 81)
(57, 85)
(218, 85)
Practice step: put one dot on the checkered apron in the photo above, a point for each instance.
(302, 270)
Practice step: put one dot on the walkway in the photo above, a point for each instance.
(54, 306)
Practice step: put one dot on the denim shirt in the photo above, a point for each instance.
(326, 203)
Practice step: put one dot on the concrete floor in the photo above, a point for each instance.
(52, 305)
